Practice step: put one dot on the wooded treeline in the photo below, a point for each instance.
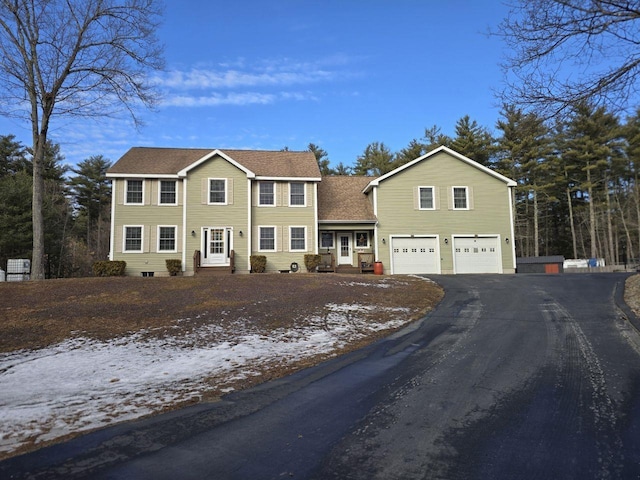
(76, 209)
(577, 194)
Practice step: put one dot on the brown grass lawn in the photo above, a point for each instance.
(37, 314)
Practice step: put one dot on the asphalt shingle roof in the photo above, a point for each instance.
(169, 161)
(340, 198)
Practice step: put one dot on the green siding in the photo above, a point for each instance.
(282, 217)
(489, 212)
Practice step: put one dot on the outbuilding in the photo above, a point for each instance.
(547, 264)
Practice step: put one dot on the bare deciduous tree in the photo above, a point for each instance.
(86, 58)
(564, 52)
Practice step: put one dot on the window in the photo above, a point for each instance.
(362, 239)
(460, 200)
(133, 239)
(166, 239)
(267, 238)
(134, 192)
(426, 198)
(168, 192)
(266, 193)
(296, 194)
(217, 191)
(297, 239)
(326, 240)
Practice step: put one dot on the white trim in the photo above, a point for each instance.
(512, 244)
(315, 219)
(333, 239)
(466, 194)
(304, 194)
(175, 239)
(184, 225)
(112, 235)
(275, 238)
(249, 223)
(143, 175)
(124, 238)
(433, 197)
(304, 227)
(226, 191)
(126, 191)
(275, 189)
(175, 182)
(376, 182)
(287, 179)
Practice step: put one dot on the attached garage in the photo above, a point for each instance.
(476, 255)
(415, 255)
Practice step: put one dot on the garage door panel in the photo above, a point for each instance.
(476, 255)
(414, 255)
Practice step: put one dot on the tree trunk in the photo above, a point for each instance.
(592, 216)
(38, 253)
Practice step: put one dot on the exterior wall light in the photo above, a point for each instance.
(384, 241)
(240, 233)
(193, 233)
(446, 241)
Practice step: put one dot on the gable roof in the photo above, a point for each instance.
(176, 162)
(453, 153)
(340, 199)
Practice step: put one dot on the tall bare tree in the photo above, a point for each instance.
(565, 52)
(83, 58)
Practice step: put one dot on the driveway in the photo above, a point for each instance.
(512, 376)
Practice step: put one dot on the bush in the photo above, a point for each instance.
(106, 268)
(258, 263)
(312, 261)
(174, 265)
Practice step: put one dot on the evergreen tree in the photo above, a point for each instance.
(376, 160)
(91, 191)
(12, 155)
(473, 141)
(414, 150)
(322, 158)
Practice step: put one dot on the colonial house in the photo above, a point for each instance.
(214, 209)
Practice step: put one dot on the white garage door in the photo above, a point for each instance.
(476, 255)
(414, 255)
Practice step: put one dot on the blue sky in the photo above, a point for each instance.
(257, 74)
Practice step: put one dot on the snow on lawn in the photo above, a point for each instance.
(82, 384)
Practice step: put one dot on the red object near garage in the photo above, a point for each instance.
(377, 268)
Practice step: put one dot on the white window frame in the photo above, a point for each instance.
(175, 239)
(453, 197)
(367, 234)
(226, 191)
(273, 194)
(275, 238)
(304, 229)
(433, 197)
(126, 191)
(124, 238)
(304, 194)
(175, 184)
(333, 239)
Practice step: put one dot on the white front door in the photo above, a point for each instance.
(344, 249)
(215, 245)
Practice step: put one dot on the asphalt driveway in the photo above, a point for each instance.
(512, 376)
